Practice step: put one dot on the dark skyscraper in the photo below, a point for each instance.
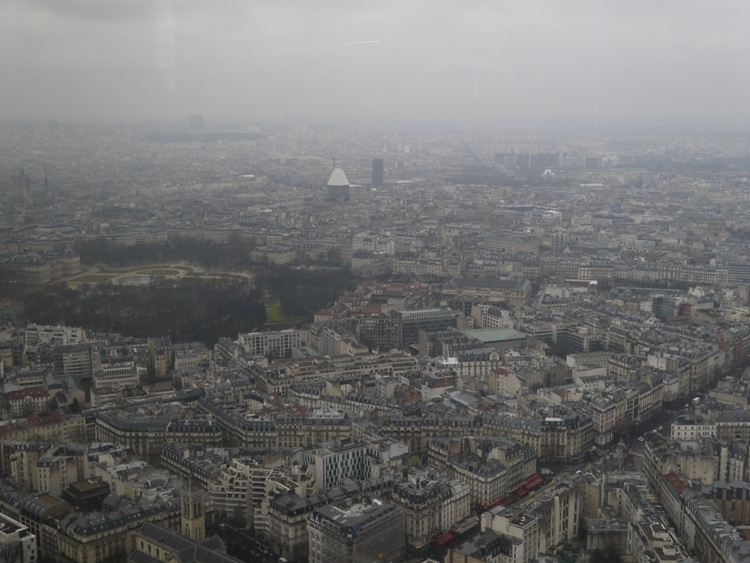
(195, 123)
(377, 171)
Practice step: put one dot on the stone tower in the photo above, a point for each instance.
(193, 512)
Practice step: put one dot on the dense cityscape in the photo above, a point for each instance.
(298, 340)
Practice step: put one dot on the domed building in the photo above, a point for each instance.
(338, 185)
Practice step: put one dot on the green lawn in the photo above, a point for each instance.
(104, 269)
(158, 272)
(274, 314)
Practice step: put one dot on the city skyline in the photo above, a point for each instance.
(423, 281)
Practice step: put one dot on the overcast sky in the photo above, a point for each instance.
(579, 62)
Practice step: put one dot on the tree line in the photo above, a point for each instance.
(302, 292)
(231, 255)
(191, 308)
(186, 310)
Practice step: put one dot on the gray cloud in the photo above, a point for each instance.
(539, 60)
(132, 10)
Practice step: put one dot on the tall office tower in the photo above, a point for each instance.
(195, 123)
(377, 171)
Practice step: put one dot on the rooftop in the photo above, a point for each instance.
(338, 178)
(494, 334)
(9, 526)
(355, 515)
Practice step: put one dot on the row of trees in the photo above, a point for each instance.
(186, 310)
(234, 254)
(302, 292)
(192, 308)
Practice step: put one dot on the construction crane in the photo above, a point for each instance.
(470, 152)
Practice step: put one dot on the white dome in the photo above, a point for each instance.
(338, 178)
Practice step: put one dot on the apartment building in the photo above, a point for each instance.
(278, 344)
(360, 532)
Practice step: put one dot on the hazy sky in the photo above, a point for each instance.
(563, 61)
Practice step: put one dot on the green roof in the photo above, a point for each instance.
(495, 334)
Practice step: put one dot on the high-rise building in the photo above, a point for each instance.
(195, 123)
(377, 171)
(337, 460)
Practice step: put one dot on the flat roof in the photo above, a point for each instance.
(495, 334)
(8, 525)
(415, 312)
(87, 485)
(49, 499)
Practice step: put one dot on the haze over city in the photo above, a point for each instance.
(405, 281)
(580, 62)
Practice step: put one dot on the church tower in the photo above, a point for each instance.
(193, 512)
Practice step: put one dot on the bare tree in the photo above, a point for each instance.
(10, 552)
